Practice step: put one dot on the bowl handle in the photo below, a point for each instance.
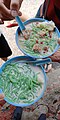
(43, 61)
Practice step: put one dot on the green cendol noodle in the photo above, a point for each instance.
(19, 83)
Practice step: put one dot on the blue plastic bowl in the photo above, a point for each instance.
(28, 22)
(20, 58)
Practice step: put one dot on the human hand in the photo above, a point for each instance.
(9, 9)
(1, 96)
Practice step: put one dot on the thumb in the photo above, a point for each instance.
(14, 5)
(14, 13)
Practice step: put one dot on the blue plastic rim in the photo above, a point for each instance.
(19, 58)
(28, 22)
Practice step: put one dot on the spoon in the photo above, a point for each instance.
(20, 23)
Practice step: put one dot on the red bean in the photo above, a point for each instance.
(41, 42)
(36, 41)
